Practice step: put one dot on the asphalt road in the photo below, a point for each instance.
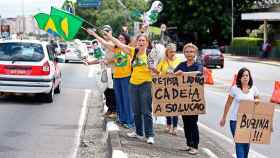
(31, 129)
(264, 77)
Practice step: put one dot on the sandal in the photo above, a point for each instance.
(186, 149)
(168, 128)
(193, 151)
(174, 132)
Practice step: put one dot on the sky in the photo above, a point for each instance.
(13, 8)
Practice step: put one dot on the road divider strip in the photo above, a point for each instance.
(209, 153)
(91, 72)
(82, 119)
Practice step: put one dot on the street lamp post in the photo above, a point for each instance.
(232, 20)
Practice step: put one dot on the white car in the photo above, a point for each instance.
(72, 54)
(29, 67)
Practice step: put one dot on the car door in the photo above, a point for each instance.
(55, 65)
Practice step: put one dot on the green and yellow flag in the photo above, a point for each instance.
(69, 24)
(48, 23)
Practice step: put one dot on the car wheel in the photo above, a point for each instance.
(57, 90)
(47, 97)
(66, 61)
(222, 66)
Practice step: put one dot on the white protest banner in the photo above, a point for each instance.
(178, 95)
(254, 122)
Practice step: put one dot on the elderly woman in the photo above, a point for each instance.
(190, 121)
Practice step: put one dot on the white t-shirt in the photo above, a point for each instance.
(238, 95)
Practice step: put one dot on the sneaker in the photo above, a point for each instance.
(134, 135)
(151, 140)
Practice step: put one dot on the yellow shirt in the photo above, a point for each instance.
(141, 72)
(165, 66)
(122, 64)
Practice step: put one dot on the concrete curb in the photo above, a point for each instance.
(114, 142)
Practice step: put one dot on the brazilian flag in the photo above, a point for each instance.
(69, 24)
(48, 23)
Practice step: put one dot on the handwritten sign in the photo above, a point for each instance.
(178, 95)
(254, 122)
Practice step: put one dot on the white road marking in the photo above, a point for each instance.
(83, 114)
(112, 126)
(209, 153)
(91, 72)
(119, 154)
(277, 110)
(252, 153)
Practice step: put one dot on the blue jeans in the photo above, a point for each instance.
(172, 120)
(142, 106)
(242, 149)
(124, 107)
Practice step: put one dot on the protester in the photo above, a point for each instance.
(243, 90)
(165, 66)
(109, 93)
(140, 87)
(190, 121)
(122, 69)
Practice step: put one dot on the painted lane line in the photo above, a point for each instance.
(112, 126)
(209, 153)
(91, 72)
(252, 153)
(119, 154)
(83, 114)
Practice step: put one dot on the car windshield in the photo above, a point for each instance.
(17, 51)
(211, 51)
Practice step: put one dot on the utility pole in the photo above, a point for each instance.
(23, 16)
(232, 20)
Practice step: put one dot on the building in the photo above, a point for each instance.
(268, 12)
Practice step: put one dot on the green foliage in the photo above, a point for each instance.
(246, 41)
(210, 19)
(110, 13)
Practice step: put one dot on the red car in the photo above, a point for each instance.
(212, 58)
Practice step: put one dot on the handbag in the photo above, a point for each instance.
(104, 76)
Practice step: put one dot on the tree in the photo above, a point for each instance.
(110, 13)
(208, 19)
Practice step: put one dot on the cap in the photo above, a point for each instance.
(107, 28)
(172, 46)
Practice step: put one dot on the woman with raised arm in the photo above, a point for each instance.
(140, 87)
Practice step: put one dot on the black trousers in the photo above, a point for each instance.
(191, 130)
(110, 99)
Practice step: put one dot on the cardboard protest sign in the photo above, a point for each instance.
(254, 122)
(178, 95)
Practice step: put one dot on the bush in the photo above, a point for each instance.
(246, 41)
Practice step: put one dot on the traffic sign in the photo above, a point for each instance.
(89, 3)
